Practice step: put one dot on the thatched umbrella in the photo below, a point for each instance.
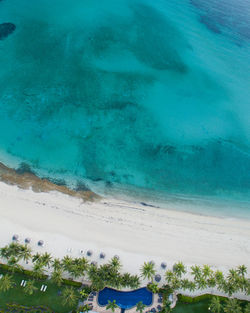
(117, 257)
(157, 278)
(164, 265)
(94, 263)
(15, 237)
(40, 243)
(102, 255)
(89, 252)
(27, 240)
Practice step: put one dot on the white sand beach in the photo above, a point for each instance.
(135, 232)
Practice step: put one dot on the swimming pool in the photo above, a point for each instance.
(125, 299)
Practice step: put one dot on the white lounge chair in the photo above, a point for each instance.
(22, 283)
(1, 276)
(44, 289)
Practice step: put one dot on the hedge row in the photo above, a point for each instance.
(187, 299)
(72, 283)
(21, 308)
(9, 268)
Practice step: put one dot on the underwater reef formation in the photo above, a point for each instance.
(6, 29)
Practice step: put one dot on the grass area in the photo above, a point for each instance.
(50, 298)
(199, 307)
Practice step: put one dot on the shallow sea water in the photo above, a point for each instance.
(121, 94)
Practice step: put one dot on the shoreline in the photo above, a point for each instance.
(167, 235)
(26, 179)
(70, 224)
(20, 174)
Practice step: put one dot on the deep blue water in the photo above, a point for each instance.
(123, 94)
(125, 299)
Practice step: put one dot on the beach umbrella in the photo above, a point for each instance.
(27, 240)
(94, 263)
(152, 262)
(117, 257)
(157, 278)
(40, 243)
(163, 264)
(15, 237)
(89, 252)
(102, 255)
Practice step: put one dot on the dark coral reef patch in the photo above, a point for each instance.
(6, 29)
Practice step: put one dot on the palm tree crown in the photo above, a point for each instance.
(232, 306)
(215, 305)
(140, 307)
(179, 269)
(6, 283)
(69, 296)
(148, 270)
(111, 305)
(30, 287)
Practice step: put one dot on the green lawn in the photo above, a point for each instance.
(49, 298)
(199, 307)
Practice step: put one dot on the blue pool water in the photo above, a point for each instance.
(125, 299)
(124, 95)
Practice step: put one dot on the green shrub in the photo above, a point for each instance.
(187, 299)
(71, 283)
(7, 268)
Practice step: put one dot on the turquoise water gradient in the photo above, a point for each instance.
(151, 94)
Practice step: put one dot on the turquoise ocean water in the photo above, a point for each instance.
(135, 97)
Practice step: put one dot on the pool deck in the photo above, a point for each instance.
(102, 309)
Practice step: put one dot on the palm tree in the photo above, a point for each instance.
(84, 264)
(25, 253)
(153, 287)
(169, 276)
(36, 257)
(69, 296)
(12, 261)
(175, 283)
(115, 263)
(201, 283)
(219, 278)
(111, 305)
(211, 281)
(4, 253)
(7, 283)
(30, 287)
(233, 275)
(57, 265)
(232, 306)
(192, 286)
(46, 259)
(83, 294)
(247, 308)
(38, 270)
(185, 284)
(57, 277)
(166, 307)
(215, 305)
(84, 308)
(140, 307)
(179, 269)
(196, 271)
(206, 271)
(242, 270)
(67, 262)
(134, 282)
(148, 270)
